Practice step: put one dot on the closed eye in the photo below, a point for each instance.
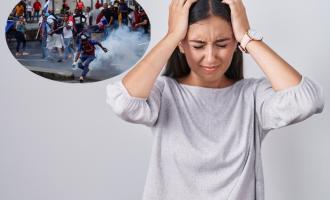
(198, 47)
(221, 45)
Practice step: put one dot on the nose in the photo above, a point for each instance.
(210, 55)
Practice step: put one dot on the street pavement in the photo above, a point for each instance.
(125, 49)
(52, 69)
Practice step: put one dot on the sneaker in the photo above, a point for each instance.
(25, 53)
(18, 54)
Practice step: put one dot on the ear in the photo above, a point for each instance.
(181, 47)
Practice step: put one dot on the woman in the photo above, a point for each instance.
(209, 122)
(20, 36)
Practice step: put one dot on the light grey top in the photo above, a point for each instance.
(207, 140)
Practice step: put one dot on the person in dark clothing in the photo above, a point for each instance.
(107, 13)
(86, 53)
(123, 10)
(79, 21)
(110, 17)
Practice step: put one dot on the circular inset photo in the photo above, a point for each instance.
(77, 41)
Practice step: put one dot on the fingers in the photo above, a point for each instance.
(232, 2)
(188, 4)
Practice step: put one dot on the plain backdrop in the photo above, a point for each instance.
(61, 141)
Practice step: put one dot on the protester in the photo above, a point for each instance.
(86, 54)
(54, 38)
(144, 24)
(36, 9)
(67, 35)
(19, 9)
(29, 9)
(20, 36)
(123, 10)
(80, 5)
(43, 34)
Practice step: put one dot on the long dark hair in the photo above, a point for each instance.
(177, 65)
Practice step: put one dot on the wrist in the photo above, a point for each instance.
(173, 38)
(249, 36)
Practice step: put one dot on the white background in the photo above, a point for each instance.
(61, 141)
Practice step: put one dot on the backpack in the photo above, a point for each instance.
(88, 48)
(58, 25)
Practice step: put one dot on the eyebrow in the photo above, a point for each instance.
(202, 42)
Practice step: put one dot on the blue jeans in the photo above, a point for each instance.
(43, 47)
(20, 38)
(84, 64)
(36, 15)
(67, 47)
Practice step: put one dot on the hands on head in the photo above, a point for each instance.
(179, 14)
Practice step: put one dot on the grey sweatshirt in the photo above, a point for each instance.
(207, 140)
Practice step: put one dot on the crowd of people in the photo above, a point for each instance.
(60, 35)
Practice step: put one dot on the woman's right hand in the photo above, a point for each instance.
(178, 18)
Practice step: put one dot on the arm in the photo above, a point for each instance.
(102, 47)
(140, 80)
(99, 17)
(286, 97)
(280, 74)
(142, 23)
(77, 57)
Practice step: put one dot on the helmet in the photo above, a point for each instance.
(84, 37)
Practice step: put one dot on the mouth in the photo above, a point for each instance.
(210, 68)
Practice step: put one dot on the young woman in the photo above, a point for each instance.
(20, 36)
(209, 122)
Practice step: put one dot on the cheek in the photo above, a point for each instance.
(193, 56)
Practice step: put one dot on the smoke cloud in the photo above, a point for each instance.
(125, 49)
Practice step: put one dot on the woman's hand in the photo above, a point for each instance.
(239, 20)
(178, 18)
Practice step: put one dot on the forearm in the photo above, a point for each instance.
(77, 57)
(140, 80)
(280, 74)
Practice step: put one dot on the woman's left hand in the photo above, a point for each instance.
(239, 20)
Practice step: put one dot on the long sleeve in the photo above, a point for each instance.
(282, 108)
(133, 109)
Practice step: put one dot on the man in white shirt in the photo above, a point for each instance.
(67, 35)
(54, 39)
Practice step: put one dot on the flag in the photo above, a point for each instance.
(9, 25)
(45, 8)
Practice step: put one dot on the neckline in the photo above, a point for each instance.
(207, 88)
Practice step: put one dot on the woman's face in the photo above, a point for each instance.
(209, 47)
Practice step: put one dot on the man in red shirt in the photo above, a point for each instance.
(36, 9)
(80, 5)
(98, 4)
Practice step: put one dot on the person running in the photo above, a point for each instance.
(79, 22)
(86, 54)
(54, 38)
(20, 36)
(67, 35)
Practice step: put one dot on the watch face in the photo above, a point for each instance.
(255, 35)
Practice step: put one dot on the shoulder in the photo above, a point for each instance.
(93, 42)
